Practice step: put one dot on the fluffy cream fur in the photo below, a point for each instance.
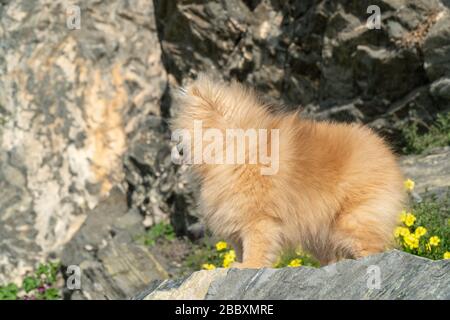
(337, 194)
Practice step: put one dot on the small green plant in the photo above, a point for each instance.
(202, 255)
(438, 135)
(9, 292)
(221, 255)
(296, 258)
(40, 285)
(209, 257)
(425, 229)
(160, 230)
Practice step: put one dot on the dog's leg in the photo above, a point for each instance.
(366, 230)
(237, 246)
(261, 245)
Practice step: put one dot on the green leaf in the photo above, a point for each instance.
(9, 292)
(42, 270)
(30, 283)
(51, 294)
(159, 231)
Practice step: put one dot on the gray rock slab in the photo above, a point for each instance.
(392, 275)
(430, 171)
(113, 264)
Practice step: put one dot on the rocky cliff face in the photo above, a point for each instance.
(84, 110)
(71, 101)
(318, 54)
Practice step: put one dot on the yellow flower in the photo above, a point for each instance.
(229, 258)
(295, 263)
(403, 216)
(447, 255)
(420, 231)
(410, 219)
(208, 266)
(409, 184)
(412, 241)
(434, 241)
(221, 245)
(407, 218)
(401, 231)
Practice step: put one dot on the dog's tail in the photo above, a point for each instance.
(218, 105)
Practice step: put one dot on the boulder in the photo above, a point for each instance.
(429, 171)
(113, 264)
(70, 99)
(393, 275)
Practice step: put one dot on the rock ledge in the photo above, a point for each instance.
(402, 276)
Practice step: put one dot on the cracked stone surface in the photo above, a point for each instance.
(113, 264)
(402, 277)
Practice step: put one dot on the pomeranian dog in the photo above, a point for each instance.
(335, 190)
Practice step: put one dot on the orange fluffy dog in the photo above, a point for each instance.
(336, 192)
